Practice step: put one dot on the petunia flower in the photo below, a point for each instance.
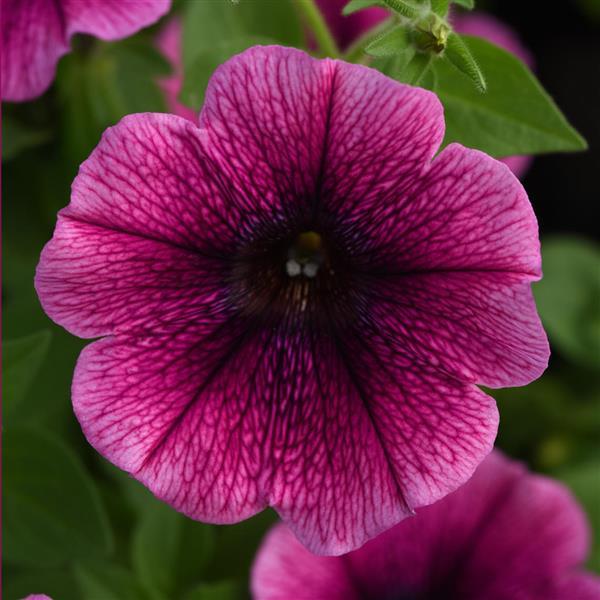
(36, 33)
(295, 302)
(348, 29)
(37, 597)
(507, 534)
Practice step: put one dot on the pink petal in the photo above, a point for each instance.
(467, 213)
(169, 43)
(111, 19)
(144, 233)
(197, 415)
(284, 569)
(36, 33)
(460, 252)
(504, 535)
(32, 42)
(481, 327)
(291, 129)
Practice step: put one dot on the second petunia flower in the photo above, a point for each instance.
(295, 300)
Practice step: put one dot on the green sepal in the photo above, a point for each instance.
(406, 9)
(460, 56)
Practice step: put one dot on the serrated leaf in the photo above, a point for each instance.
(21, 360)
(568, 297)
(514, 116)
(460, 56)
(356, 5)
(52, 510)
(395, 41)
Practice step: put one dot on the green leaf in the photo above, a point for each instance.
(584, 481)
(240, 25)
(406, 9)
(468, 4)
(440, 7)
(170, 551)
(21, 360)
(568, 297)
(460, 56)
(394, 41)
(356, 5)
(199, 73)
(52, 511)
(220, 590)
(100, 581)
(415, 71)
(17, 137)
(515, 116)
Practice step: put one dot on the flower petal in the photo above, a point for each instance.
(505, 535)
(284, 569)
(95, 281)
(220, 418)
(145, 232)
(480, 327)
(112, 19)
(32, 42)
(468, 213)
(297, 134)
(36, 33)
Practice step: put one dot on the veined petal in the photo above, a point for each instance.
(32, 42)
(300, 135)
(36, 33)
(505, 535)
(479, 326)
(111, 19)
(467, 213)
(284, 569)
(220, 419)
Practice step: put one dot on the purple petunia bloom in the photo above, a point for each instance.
(296, 302)
(36, 33)
(37, 597)
(348, 29)
(505, 535)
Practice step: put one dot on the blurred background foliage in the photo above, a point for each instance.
(77, 528)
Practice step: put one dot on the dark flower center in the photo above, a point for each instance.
(306, 255)
(303, 277)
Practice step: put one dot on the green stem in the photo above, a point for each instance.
(313, 18)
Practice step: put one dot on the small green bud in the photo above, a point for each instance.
(431, 34)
